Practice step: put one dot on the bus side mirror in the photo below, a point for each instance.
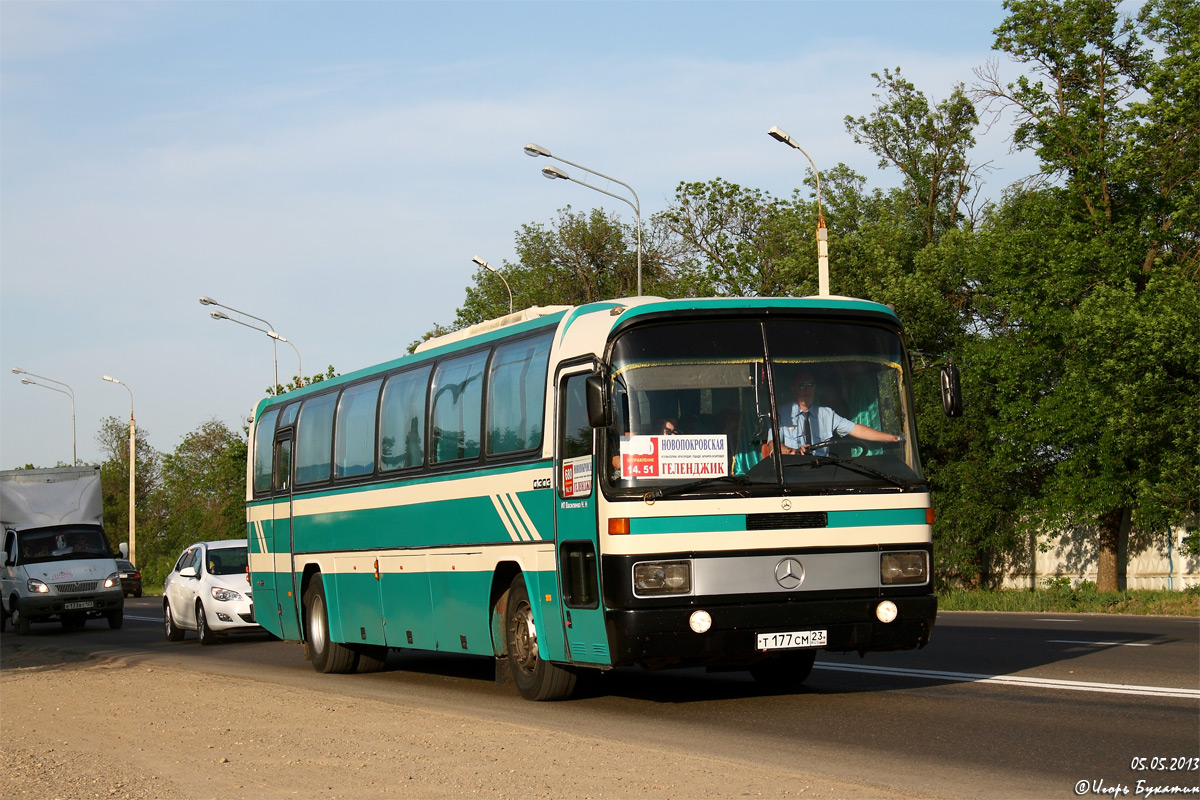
(951, 391)
(599, 409)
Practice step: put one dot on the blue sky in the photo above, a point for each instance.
(333, 167)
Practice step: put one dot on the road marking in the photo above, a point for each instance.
(1100, 644)
(1056, 620)
(144, 619)
(1041, 683)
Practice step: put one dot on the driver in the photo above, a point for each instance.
(807, 423)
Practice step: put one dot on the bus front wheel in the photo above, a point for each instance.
(536, 678)
(327, 656)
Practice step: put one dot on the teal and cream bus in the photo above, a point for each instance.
(512, 491)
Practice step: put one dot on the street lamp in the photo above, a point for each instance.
(275, 336)
(780, 135)
(68, 393)
(534, 151)
(132, 472)
(490, 268)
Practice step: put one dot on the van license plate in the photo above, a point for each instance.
(78, 605)
(791, 640)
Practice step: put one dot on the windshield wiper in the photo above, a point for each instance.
(684, 488)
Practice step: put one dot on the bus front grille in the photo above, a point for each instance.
(775, 522)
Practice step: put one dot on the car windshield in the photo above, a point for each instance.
(57, 544)
(698, 407)
(227, 561)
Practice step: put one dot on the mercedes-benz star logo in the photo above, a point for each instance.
(789, 573)
(786, 504)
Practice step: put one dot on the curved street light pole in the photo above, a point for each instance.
(274, 336)
(208, 301)
(490, 268)
(132, 472)
(780, 135)
(535, 151)
(69, 393)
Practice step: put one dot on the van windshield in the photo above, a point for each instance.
(57, 544)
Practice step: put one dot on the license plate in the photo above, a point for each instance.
(78, 605)
(791, 640)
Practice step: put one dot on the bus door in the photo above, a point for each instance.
(286, 590)
(575, 519)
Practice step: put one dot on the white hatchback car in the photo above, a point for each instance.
(208, 591)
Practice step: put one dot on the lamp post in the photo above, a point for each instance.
(553, 173)
(68, 393)
(132, 473)
(780, 135)
(275, 336)
(490, 268)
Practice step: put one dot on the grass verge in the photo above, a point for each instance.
(1060, 596)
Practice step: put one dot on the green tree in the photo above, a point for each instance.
(930, 147)
(1090, 288)
(203, 490)
(113, 440)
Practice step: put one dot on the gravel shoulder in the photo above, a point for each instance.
(92, 728)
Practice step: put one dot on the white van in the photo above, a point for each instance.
(57, 563)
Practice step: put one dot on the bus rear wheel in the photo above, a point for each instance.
(536, 678)
(327, 656)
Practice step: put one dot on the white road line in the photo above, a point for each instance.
(1040, 683)
(1100, 644)
(144, 619)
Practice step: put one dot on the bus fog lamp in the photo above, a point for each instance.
(700, 621)
(662, 578)
(900, 568)
(886, 611)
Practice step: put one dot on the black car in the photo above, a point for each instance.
(131, 578)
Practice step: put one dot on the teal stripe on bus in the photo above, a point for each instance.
(737, 522)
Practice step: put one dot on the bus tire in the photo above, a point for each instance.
(536, 679)
(784, 671)
(327, 656)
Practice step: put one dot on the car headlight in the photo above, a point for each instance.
(112, 580)
(899, 568)
(224, 595)
(37, 587)
(662, 577)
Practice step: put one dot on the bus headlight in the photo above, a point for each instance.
(899, 568)
(654, 578)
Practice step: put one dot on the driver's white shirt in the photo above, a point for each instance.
(823, 420)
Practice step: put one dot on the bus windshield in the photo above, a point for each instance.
(699, 407)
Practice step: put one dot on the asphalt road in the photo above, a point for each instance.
(999, 705)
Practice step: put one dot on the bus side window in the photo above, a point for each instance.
(402, 419)
(314, 439)
(264, 436)
(283, 464)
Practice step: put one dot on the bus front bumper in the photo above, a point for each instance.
(663, 637)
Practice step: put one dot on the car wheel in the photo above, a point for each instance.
(138, 593)
(3, 620)
(784, 671)
(536, 678)
(116, 618)
(206, 634)
(174, 634)
(20, 621)
(327, 656)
